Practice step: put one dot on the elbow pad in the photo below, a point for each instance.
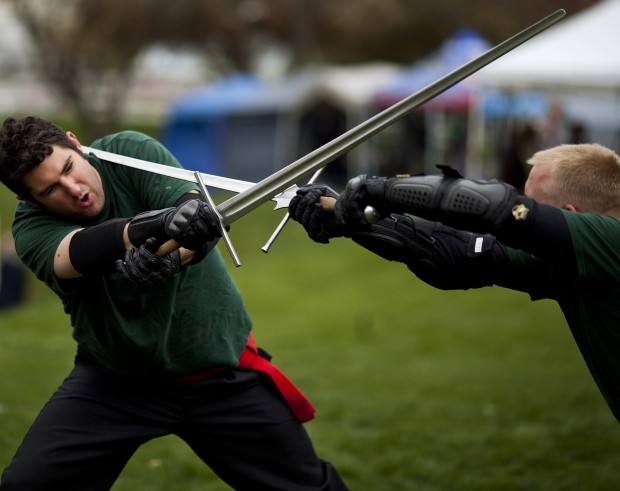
(464, 203)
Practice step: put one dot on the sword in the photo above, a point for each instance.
(246, 201)
(249, 199)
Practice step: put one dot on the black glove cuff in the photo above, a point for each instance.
(148, 224)
(187, 197)
(203, 251)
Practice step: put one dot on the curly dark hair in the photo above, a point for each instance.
(24, 144)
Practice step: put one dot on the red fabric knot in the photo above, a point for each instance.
(297, 401)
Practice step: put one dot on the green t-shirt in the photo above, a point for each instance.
(194, 322)
(590, 300)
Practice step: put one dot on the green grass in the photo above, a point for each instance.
(415, 388)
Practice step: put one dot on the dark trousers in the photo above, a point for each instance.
(234, 421)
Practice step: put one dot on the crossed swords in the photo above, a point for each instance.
(280, 186)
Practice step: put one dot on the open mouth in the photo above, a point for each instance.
(85, 200)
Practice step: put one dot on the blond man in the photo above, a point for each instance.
(559, 241)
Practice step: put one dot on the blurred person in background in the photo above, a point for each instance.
(558, 241)
(12, 277)
(164, 343)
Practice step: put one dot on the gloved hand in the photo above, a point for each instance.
(192, 224)
(443, 257)
(144, 271)
(360, 192)
(305, 208)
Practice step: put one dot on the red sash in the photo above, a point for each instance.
(251, 360)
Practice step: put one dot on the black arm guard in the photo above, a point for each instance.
(93, 250)
(465, 203)
(441, 256)
(149, 224)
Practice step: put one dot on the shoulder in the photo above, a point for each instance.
(595, 238)
(37, 234)
(122, 137)
(124, 142)
(136, 144)
(591, 224)
(155, 191)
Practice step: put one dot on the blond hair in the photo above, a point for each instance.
(586, 175)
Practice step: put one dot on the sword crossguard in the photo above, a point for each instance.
(171, 244)
(292, 190)
(225, 236)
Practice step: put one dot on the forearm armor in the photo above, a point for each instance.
(483, 206)
(93, 250)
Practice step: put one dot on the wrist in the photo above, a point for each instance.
(146, 225)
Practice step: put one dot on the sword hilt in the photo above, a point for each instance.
(227, 241)
(167, 247)
(171, 245)
(370, 213)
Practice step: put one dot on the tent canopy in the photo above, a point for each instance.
(245, 128)
(579, 52)
(220, 97)
(454, 52)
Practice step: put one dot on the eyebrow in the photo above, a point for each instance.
(48, 189)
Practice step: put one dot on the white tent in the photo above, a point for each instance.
(575, 65)
(579, 52)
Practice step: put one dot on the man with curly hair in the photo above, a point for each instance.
(164, 344)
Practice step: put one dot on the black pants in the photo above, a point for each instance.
(234, 421)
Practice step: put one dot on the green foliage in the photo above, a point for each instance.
(7, 208)
(415, 388)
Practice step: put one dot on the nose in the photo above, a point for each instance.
(71, 187)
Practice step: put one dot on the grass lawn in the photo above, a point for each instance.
(415, 388)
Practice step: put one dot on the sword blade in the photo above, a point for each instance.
(225, 183)
(246, 201)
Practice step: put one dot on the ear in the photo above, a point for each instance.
(74, 139)
(570, 207)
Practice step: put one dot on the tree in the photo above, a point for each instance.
(404, 30)
(86, 49)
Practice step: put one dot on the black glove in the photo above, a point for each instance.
(144, 271)
(192, 224)
(443, 257)
(361, 191)
(204, 250)
(305, 208)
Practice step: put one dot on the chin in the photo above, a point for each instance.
(88, 213)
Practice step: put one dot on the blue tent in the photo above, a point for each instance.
(457, 50)
(196, 126)
(243, 128)
(525, 105)
(437, 131)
